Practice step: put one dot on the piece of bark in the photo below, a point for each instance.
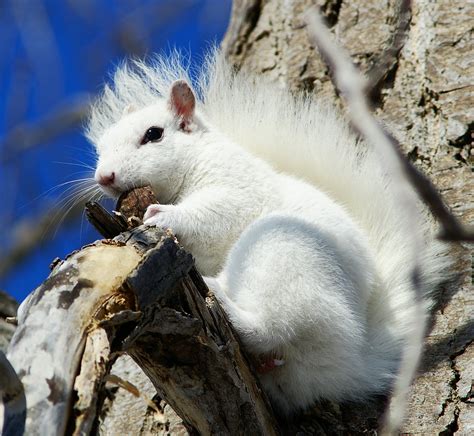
(95, 364)
(127, 414)
(107, 225)
(133, 204)
(130, 208)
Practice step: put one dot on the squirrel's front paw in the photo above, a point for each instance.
(161, 215)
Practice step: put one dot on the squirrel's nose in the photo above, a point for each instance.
(105, 179)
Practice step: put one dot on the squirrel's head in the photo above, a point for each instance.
(150, 146)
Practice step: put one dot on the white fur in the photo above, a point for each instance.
(290, 214)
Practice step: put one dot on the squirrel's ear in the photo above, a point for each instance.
(182, 102)
(129, 109)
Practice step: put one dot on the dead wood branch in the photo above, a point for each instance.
(138, 294)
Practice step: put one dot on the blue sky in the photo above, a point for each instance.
(54, 57)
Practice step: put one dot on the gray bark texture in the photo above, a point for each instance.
(425, 96)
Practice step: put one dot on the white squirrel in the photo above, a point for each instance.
(288, 215)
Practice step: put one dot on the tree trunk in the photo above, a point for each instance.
(426, 96)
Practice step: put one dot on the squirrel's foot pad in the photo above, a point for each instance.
(269, 364)
(166, 216)
(151, 211)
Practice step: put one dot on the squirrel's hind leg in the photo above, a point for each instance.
(289, 295)
(286, 278)
(264, 363)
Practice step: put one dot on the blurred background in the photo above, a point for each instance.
(55, 55)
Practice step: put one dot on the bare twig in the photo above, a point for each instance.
(107, 225)
(388, 59)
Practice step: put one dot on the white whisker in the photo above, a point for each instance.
(77, 164)
(83, 189)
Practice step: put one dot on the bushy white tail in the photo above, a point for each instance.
(300, 136)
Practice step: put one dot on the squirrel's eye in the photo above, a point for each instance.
(153, 134)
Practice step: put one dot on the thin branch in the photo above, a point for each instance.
(388, 59)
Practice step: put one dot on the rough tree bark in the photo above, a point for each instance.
(425, 96)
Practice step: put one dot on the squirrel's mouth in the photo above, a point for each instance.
(117, 192)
